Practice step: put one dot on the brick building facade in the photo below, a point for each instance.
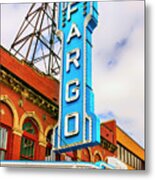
(29, 109)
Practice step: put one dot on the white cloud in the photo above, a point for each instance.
(120, 89)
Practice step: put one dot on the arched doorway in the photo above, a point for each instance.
(50, 155)
(29, 140)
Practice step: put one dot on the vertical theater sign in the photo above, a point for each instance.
(78, 126)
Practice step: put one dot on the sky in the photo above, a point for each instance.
(118, 60)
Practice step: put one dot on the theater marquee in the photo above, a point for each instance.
(78, 126)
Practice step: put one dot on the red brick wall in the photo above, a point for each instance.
(108, 131)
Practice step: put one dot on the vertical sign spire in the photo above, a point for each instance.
(78, 126)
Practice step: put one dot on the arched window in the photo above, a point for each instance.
(97, 157)
(85, 155)
(6, 123)
(50, 155)
(29, 140)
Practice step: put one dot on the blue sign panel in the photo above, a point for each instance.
(78, 126)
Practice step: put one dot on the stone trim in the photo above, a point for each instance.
(108, 145)
(37, 99)
(7, 100)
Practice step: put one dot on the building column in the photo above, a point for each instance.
(41, 151)
(16, 143)
(79, 155)
(62, 157)
(41, 147)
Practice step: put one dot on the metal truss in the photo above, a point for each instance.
(36, 41)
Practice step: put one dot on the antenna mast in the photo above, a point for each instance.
(36, 41)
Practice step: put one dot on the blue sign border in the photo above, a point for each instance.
(90, 122)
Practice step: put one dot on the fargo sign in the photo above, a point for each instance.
(78, 126)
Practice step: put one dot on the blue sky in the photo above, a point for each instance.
(118, 61)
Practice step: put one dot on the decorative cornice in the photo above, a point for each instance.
(108, 145)
(25, 91)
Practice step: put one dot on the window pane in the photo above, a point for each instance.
(3, 137)
(129, 158)
(140, 164)
(132, 160)
(118, 151)
(27, 148)
(135, 162)
(2, 155)
(28, 127)
(122, 154)
(125, 155)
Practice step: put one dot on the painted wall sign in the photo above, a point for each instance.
(78, 126)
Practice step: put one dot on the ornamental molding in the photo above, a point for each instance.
(108, 145)
(28, 93)
(97, 152)
(7, 100)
